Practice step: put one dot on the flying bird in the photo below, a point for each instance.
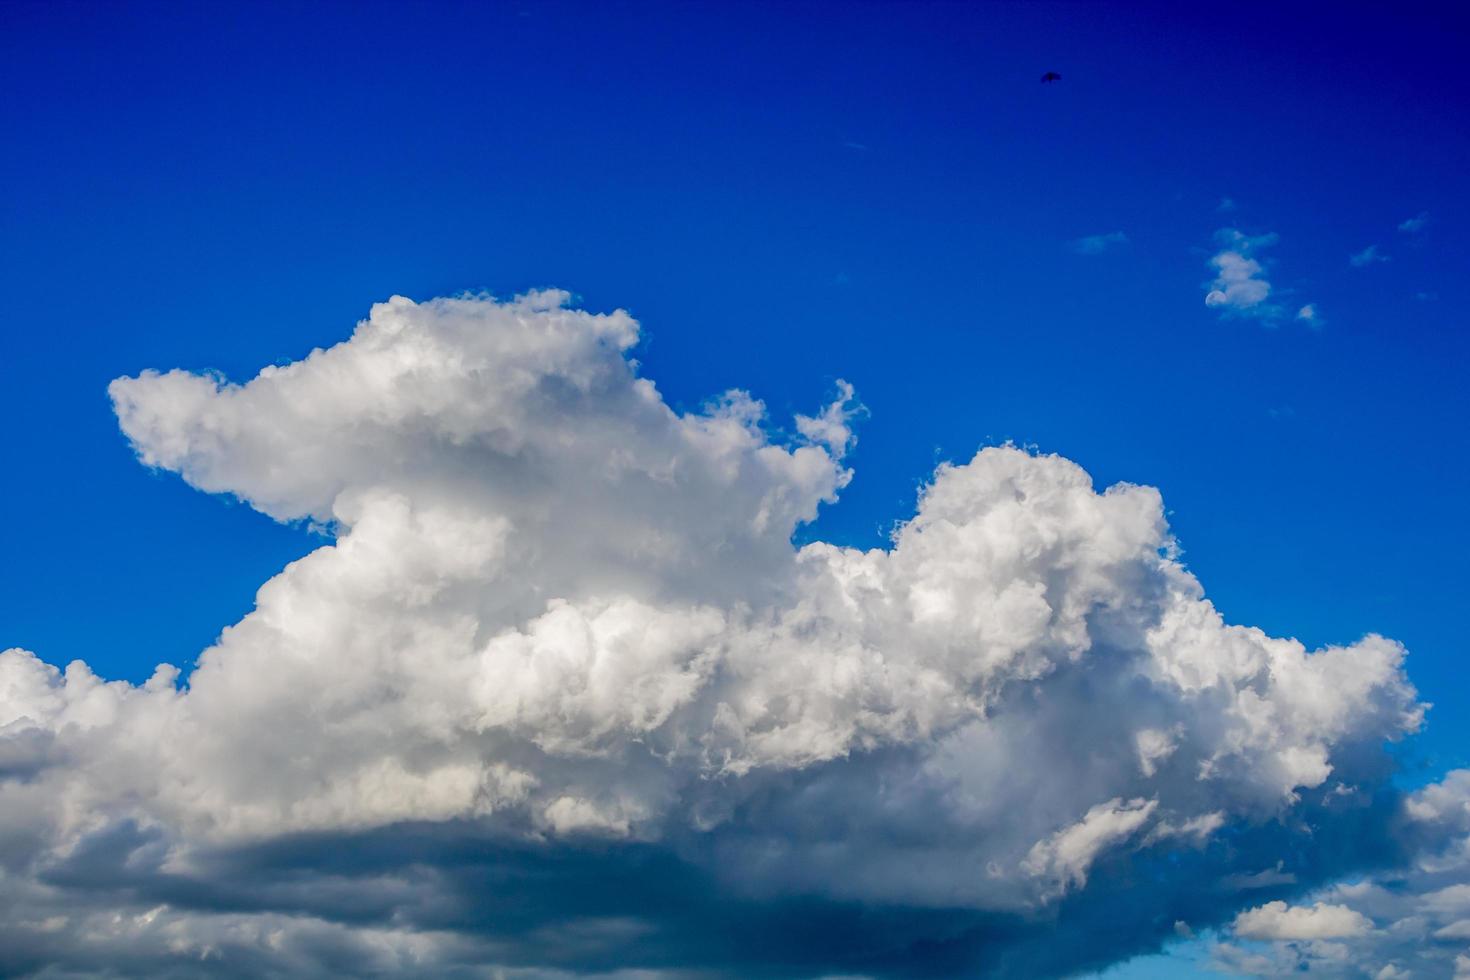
(1051, 76)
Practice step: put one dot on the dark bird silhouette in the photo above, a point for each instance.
(1051, 76)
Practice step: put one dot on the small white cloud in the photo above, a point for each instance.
(1414, 224)
(1367, 256)
(1277, 920)
(1196, 830)
(1097, 244)
(1154, 746)
(1240, 285)
(1067, 855)
(833, 427)
(1308, 314)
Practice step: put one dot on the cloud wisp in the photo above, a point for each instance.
(1368, 256)
(1415, 224)
(561, 696)
(1098, 244)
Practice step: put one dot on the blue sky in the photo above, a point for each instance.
(783, 195)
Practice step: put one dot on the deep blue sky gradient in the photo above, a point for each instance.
(784, 195)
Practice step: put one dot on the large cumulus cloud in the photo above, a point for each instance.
(561, 695)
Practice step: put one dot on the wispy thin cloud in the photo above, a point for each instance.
(1367, 257)
(1309, 315)
(1226, 204)
(1414, 224)
(1098, 244)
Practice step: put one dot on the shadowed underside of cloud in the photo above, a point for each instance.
(561, 696)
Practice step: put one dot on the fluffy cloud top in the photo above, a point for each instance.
(1277, 920)
(560, 694)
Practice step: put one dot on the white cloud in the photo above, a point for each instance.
(1154, 746)
(1417, 223)
(1445, 802)
(1277, 920)
(1097, 244)
(833, 427)
(1366, 257)
(1066, 855)
(1197, 829)
(1240, 286)
(1308, 314)
(559, 618)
